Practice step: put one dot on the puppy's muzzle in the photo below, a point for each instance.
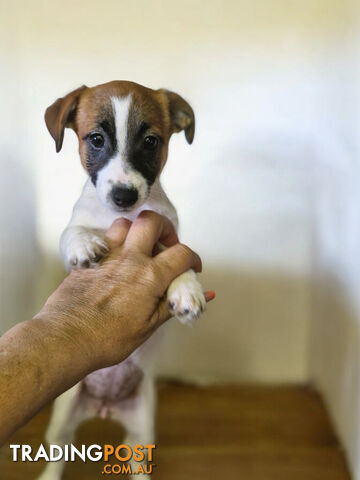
(123, 196)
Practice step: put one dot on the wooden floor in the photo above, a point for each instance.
(215, 433)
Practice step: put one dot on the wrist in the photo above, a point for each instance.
(64, 335)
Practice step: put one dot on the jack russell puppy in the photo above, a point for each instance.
(123, 130)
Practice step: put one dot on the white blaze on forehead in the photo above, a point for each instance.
(118, 170)
(121, 108)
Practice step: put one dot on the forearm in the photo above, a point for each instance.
(85, 324)
(38, 361)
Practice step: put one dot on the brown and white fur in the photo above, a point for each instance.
(123, 130)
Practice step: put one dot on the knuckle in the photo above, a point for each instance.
(152, 273)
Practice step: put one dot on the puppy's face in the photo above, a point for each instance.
(123, 130)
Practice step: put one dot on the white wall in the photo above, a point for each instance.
(335, 328)
(18, 250)
(272, 85)
(252, 76)
(334, 353)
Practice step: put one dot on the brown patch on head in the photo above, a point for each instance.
(88, 110)
(181, 114)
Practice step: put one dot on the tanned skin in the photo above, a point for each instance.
(85, 325)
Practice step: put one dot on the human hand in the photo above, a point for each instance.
(112, 309)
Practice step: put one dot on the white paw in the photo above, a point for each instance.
(185, 297)
(82, 247)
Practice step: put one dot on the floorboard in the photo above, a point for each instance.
(213, 433)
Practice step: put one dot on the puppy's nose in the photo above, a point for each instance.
(124, 196)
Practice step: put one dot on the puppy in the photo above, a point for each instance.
(123, 130)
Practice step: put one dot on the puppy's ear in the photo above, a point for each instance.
(181, 115)
(61, 114)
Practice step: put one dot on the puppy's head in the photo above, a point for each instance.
(123, 130)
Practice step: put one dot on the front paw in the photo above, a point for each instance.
(185, 297)
(82, 247)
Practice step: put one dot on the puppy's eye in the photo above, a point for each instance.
(96, 140)
(151, 142)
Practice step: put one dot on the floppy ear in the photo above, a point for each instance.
(61, 114)
(181, 115)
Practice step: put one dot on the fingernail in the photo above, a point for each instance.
(121, 220)
(210, 295)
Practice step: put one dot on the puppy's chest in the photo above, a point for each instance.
(115, 383)
(90, 211)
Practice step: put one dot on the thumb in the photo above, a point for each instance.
(176, 260)
(161, 313)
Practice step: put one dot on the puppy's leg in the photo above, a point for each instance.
(137, 415)
(82, 247)
(65, 418)
(186, 298)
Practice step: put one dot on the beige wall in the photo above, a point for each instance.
(273, 87)
(266, 80)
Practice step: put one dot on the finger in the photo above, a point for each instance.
(161, 313)
(176, 260)
(148, 228)
(168, 236)
(117, 233)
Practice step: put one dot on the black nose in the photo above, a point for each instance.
(124, 196)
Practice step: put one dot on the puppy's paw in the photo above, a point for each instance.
(82, 247)
(185, 297)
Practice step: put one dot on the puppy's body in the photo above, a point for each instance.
(123, 130)
(92, 215)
